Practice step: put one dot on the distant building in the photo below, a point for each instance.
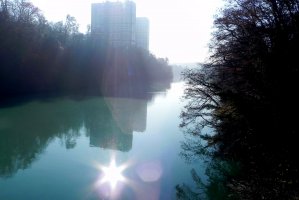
(142, 32)
(116, 23)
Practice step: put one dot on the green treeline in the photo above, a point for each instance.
(40, 57)
(247, 93)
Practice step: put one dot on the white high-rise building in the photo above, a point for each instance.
(116, 23)
(142, 32)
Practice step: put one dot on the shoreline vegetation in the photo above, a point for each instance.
(43, 58)
(246, 93)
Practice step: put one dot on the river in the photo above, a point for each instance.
(94, 148)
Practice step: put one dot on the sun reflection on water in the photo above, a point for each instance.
(113, 184)
(112, 174)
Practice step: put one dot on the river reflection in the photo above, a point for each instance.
(63, 148)
(126, 116)
(27, 129)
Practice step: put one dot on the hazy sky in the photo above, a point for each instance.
(179, 29)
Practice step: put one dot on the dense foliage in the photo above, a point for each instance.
(40, 57)
(247, 94)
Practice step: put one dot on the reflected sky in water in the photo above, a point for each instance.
(63, 148)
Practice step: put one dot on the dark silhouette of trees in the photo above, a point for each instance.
(247, 93)
(40, 57)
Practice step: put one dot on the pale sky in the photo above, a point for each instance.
(179, 29)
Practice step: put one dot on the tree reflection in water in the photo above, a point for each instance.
(218, 171)
(194, 148)
(26, 129)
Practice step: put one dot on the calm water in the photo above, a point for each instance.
(65, 149)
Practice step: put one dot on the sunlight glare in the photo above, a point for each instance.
(185, 24)
(112, 174)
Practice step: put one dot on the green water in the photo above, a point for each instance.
(60, 148)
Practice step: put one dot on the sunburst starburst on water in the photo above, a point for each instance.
(112, 174)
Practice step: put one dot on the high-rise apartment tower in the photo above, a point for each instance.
(116, 23)
(142, 32)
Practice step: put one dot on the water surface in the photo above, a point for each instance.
(62, 148)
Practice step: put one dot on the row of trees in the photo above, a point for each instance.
(247, 94)
(39, 57)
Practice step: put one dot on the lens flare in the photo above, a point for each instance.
(112, 174)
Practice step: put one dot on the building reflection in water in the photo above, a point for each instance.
(128, 115)
(28, 128)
